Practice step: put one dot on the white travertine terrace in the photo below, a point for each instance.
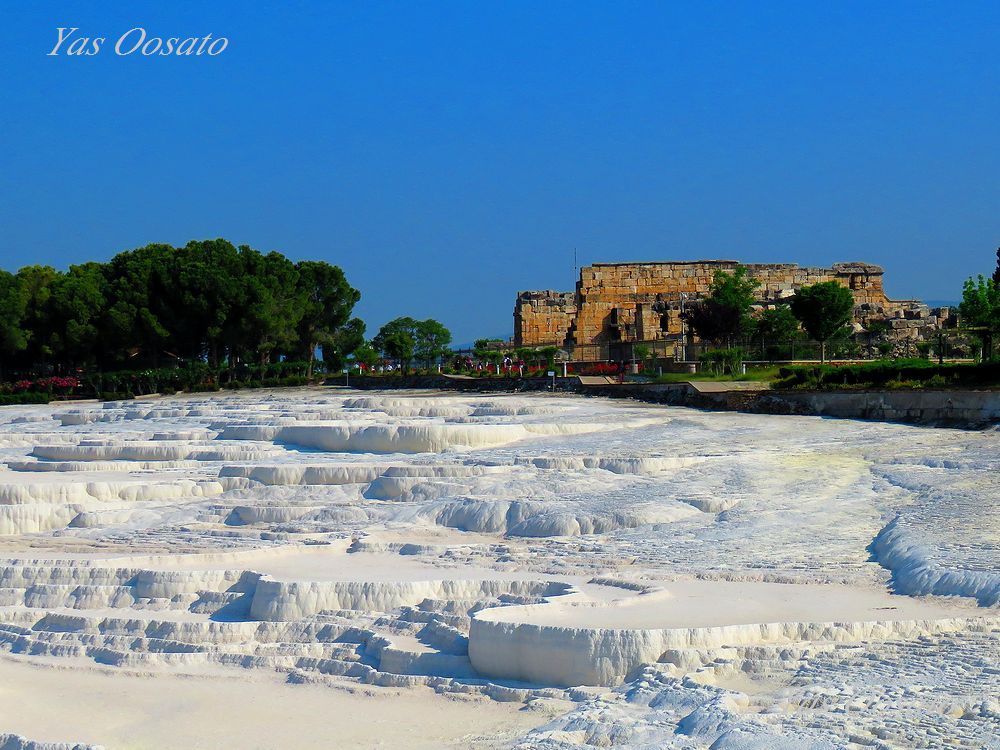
(636, 576)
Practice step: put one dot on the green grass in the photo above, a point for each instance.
(765, 374)
(900, 374)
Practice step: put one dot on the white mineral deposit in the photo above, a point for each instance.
(322, 568)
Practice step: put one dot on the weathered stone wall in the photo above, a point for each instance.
(543, 317)
(643, 301)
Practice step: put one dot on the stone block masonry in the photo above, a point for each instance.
(618, 302)
(543, 317)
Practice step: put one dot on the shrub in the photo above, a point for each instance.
(891, 373)
(721, 361)
(13, 399)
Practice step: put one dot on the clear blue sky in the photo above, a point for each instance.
(447, 155)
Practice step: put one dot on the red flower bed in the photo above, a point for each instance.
(54, 384)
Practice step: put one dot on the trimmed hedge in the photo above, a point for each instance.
(199, 378)
(891, 373)
(127, 386)
(13, 399)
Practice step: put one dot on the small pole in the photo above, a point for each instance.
(347, 377)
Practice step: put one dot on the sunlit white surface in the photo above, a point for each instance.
(636, 576)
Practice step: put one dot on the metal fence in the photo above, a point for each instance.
(945, 344)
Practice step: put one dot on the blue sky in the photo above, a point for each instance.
(449, 154)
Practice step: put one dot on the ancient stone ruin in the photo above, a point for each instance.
(631, 302)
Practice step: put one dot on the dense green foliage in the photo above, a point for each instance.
(12, 399)
(208, 302)
(406, 339)
(122, 384)
(980, 308)
(723, 361)
(484, 344)
(366, 355)
(724, 314)
(776, 324)
(891, 373)
(13, 303)
(824, 310)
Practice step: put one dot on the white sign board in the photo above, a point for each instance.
(551, 374)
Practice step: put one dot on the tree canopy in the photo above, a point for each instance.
(980, 309)
(158, 305)
(980, 306)
(406, 339)
(328, 300)
(366, 354)
(776, 324)
(13, 303)
(725, 313)
(824, 310)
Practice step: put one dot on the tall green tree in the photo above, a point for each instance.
(432, 341)
(399, 345)
(138, 282)
(429, 338)
(37, 282)
(158, 304)
(397, 340)
(980, 309)
(13, 304)
(366, 354)
(405, 324)
(208, 298)
(274, 303)
(328, 301)
(776, 324)
(77, 309)
(342, 343)
(724, 314)
(824, 310)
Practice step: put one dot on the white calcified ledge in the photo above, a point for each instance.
(568, 656)
(915, 571)
(429, 438)
(282, 601)
(572, 641)
(297, 474)
(168, 451)
(616, 465)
